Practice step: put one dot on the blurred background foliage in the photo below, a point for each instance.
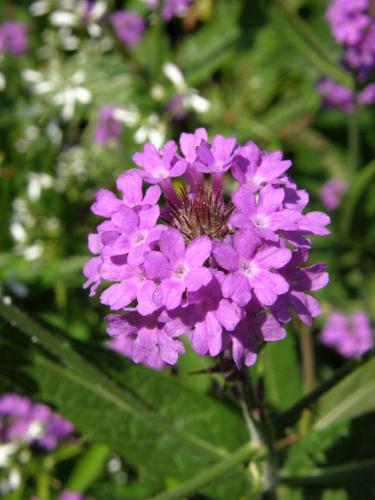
(257, 63)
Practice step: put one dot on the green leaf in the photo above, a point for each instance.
(281, 372)
(212, 46)
(292, 414)
(333, 476)
(145, 415)
(88, 468)
(351, 397)
(298, 33)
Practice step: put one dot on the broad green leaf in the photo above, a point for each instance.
(351, 397)
(156, 423)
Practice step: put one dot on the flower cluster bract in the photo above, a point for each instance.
(23, 422)
(186, 258)
(349, 335)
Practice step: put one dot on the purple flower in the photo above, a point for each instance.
(107, 126)
(264, 214)
(171, 8)
(13, 38)
(22, 421)
(146, 339)
(348, 20)
(335, 95)
(331, 193)
(202, 262)
(349, 335)
(178, 269)
(300, 280)
(352, 24)
(71, 495)
(257, 168)
(251, 263)
(128, 26)
(159, 165)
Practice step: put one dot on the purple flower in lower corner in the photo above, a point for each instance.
(24, 423)
(180, 255)
(128, 26)
(350, 335)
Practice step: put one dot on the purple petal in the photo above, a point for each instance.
(130, 184)
(157, 266)
(171, 293)
(105, 203)
(228, 314)
(172, 245)
(198, 251)
(119, 295)
(225, 256)
(237, 287)
(197, 278)
(271, 257)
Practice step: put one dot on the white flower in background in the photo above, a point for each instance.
(151, 130)
(6, 451)
(65, 92)
(128, 115)
(190, 98)
(67, 15)
(36, 182)
(10, 483)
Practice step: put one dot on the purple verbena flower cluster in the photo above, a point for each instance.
(352, 24)
(13, 38)
(332, 192)
(25, 423)
(349, 335)
(186, 258)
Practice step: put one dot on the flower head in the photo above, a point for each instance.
(331, 193)
(349, 335)
(13, 38)
(23, 422)
(224, 270)
(128, 26)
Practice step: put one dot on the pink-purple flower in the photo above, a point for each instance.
(107, 127)
(224, 270)
(13, 38)
(128, 26)
(352, 25)
(335, 95)
(25, 423)
(332, 192)
(170, 8)
(350, 335)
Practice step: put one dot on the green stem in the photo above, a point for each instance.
(308, 365)
(260, 434)
(353, 139)
(216, 472)
(42, 485)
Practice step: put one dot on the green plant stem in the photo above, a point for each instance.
(260, 435)
(354, 139)
(42, 485)
(308, 364)
(243, 454)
